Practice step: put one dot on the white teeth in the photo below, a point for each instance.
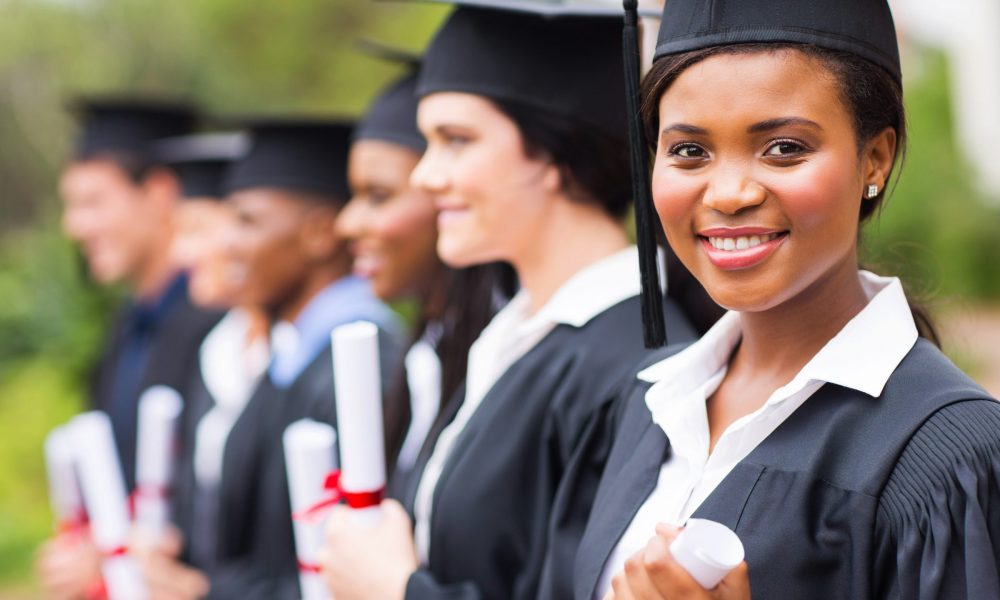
(740, 243)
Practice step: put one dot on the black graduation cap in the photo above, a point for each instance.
(863, 27)
(560, 57)
(297, 154)
(392, 116)
(201, 161)
(127, 125)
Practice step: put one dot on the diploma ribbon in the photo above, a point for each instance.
(115, 552)
(74, 525)
(305, 567)
(334, 494)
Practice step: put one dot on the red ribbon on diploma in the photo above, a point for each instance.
(305, 567)
(336, 493)
(115, 552)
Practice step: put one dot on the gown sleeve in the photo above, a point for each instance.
(937, 531)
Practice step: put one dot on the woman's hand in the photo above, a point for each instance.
(653, 574)
(165, 577)
(69, 566)
(361, 562)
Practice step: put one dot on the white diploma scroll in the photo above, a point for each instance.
(359, 417)
(310, 450)
(103, 490)
(159, 413)
(707, 550)
(64, 490)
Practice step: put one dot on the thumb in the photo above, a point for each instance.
(394, 511)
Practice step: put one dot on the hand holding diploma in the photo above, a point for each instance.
(362, 561)
(654, 573)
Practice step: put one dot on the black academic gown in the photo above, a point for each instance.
(173, 332)
(852, 497)
(254, 554)
(541, 423)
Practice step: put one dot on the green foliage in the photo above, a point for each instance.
(935, 231)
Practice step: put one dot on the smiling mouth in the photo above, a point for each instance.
(736, 249)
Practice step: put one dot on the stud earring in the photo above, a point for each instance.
(872, 191)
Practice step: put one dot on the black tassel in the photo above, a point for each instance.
(646, 221)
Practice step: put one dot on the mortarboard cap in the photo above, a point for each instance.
(123, 125)
(201, 161)
(561, 57)
(862, 27)
(295, 154)
(392, 116)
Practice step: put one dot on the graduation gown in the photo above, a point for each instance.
(171, 333)
(254, 554)
(541, 423)
(853, 497)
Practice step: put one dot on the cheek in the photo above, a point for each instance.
(675, 195)
(819, 199)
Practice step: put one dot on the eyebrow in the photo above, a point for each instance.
(684, 128)
(772, 124)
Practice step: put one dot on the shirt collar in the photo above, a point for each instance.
(862, 356)
(344, 301)
(594, 290)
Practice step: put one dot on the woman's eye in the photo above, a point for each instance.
(784, 148)
(376, 197)
(688, 151)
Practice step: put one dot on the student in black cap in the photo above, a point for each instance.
(119, 206)
(522, 108)
(817, 419)
(286, 192)
(392, 227)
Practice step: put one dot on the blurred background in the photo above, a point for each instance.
(940, 229)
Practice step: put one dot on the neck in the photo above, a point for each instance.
(317, 279)
(780, 341)
(573, 236)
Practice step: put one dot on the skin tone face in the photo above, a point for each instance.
(200, 247)
(392, 227)
(773, 164)
(490, 195)
(120, 226)
(282, 246)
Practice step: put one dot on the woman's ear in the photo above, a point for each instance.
(878, 158)
(161, 187)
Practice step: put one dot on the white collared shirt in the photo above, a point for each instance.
(862, 356)
(230, 370)
(509, 336)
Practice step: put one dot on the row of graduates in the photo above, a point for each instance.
(538, 449)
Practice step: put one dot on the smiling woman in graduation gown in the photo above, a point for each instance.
(286, 193)
(818, 419)
(526, 162)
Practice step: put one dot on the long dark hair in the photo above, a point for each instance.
(871, 94)
(470, 299)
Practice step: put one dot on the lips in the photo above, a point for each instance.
(742, 247)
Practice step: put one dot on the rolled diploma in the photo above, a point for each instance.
(104, 496)
(64, 491)
(159, 412)
(707, 550)
(310, 448)
(359, 412)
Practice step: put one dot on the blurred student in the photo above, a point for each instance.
(286, 194)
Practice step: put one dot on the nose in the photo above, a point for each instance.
(731, 190)
(428, 175)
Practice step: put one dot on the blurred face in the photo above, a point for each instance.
(491, 197)
(111, 218)
(277, 240)
(392, 227)
(758, 179)
(201, 247)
